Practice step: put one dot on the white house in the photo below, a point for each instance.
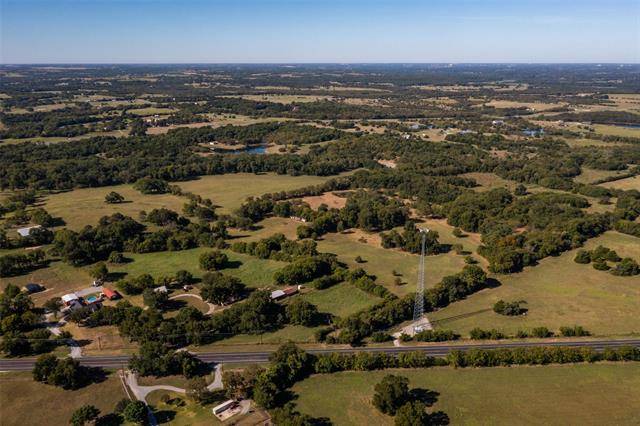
(25, 232)
(69, 299)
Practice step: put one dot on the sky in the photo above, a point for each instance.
(313, 31)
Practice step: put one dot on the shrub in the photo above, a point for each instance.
(381, 336)
(573, 331)
(583, 256)
(509, 308)
(436, 336)
(626, 267)
(391, 394)
(541, 332)
(479, 334)
(213, 260)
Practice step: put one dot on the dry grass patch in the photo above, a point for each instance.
(591, 175)
(489, 181)
(330, 199)
(534, 106)
(626, 184)
(559, 292)
(24, 402)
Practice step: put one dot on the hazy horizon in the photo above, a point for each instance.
(312, 32)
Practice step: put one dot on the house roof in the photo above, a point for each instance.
(69, 297)
(109, 293)
(25, 232)
(277, 293)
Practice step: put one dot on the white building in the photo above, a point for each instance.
(25, 232)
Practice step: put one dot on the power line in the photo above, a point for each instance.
(418, 309)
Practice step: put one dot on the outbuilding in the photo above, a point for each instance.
(110, 294)
(70, 298)
(25, 232)
(33, 288)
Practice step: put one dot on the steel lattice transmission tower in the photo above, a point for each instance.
(418, 310)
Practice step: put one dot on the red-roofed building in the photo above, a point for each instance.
(110, 294)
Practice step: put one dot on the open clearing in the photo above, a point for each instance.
(606, 129)
(382, 262)
(290, 333)
(488, 181)
(151, 111)
(284, 99)
(533, 106)
(86, 206)
(230, 191)
(591, 175)
(252, 271)
(558, 292)
(342, 299)
(216, 120)
(328, 198)
(625, 184)
(549, 395)
(60, 278)
(24, 402)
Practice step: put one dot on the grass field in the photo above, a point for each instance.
(382, 262)
(284, 99)
(188, 413)
(86, 206)
(559, 292)
(584, 394)
(592, 175)
(617, 130)
(488, 181)
(252, 271)
(626, 184)
(229, 191)
(24, 402)
(217, 120)
(537, 106)
(293, 333)
(268, 227)
(150, 111)
(341, 300)
(58, 279)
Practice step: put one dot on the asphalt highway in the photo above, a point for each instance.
(118, 361)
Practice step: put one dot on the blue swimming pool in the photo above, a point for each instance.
(92, 299)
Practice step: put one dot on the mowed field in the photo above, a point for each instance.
(254, 272)
(583, 394)
(558, 292)
(24, 402)
(86, 206)
(341, 300)
(382, 262)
